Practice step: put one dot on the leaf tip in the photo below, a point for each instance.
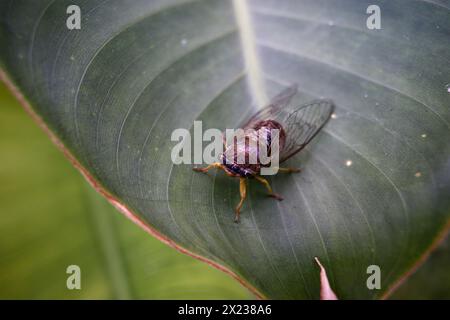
(326, 293)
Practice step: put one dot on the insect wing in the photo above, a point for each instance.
(302, 125)
(273, 110)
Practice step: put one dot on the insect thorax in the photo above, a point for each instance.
(242, 157)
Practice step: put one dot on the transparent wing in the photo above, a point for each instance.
(273, 109)
(302, 125)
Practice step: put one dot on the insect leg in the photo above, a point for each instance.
(243, 192)
(212, 165)
(289, 170)
(228, 173)
(269, 188)
(217, 165)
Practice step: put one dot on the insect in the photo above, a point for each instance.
(296, 128)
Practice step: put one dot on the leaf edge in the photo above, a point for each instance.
(98, 187)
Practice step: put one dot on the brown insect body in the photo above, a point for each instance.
(248, 146)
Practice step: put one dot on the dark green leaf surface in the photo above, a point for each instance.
(50, 219)
(375, 183)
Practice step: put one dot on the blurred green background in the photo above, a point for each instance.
(51, 218)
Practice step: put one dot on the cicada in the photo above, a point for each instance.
(296, 127)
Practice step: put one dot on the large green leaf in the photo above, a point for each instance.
(375, 184)
(50, 219)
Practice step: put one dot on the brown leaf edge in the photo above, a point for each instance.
(6, 79)
(105, 193)
(422, 259)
